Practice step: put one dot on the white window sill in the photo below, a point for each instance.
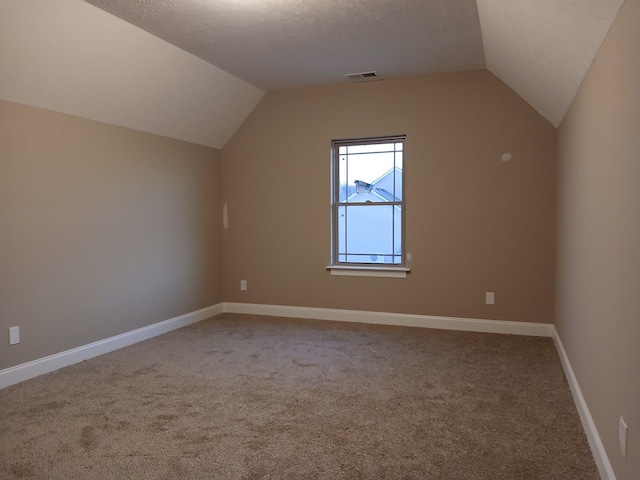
(360, 271)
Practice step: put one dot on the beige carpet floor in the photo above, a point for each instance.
(248, 397)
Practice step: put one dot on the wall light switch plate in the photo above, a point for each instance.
(14, 335)
(490, 298)
(623, 437)
(243, 284)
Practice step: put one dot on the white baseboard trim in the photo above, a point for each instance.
(398, 319)
(597, 448)
(25, 371)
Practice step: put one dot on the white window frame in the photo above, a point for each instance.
(336, 267)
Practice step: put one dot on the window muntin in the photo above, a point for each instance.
(368, 202)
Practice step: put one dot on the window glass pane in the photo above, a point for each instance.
(370, 178)
(371, 147)
(397, 235)
(370, 234)
(342, 230)
(344, 190)
(369, 167)
(393, 184)
(399, 160)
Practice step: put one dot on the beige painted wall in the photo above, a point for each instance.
(474, 224)
(598, 302)
(103, 230)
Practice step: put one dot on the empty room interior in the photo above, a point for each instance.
(172, 172)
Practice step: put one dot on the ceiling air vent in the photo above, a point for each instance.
(363, 77)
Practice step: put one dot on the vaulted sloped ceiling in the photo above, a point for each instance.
(70, 57)
(542, 49)
(194, 69)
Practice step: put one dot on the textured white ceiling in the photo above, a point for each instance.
(278, 44)
(543, 48)
(71, 57)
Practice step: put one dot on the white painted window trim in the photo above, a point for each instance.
(361, 271)
(358, 269)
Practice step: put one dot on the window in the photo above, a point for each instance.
(367, 206)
